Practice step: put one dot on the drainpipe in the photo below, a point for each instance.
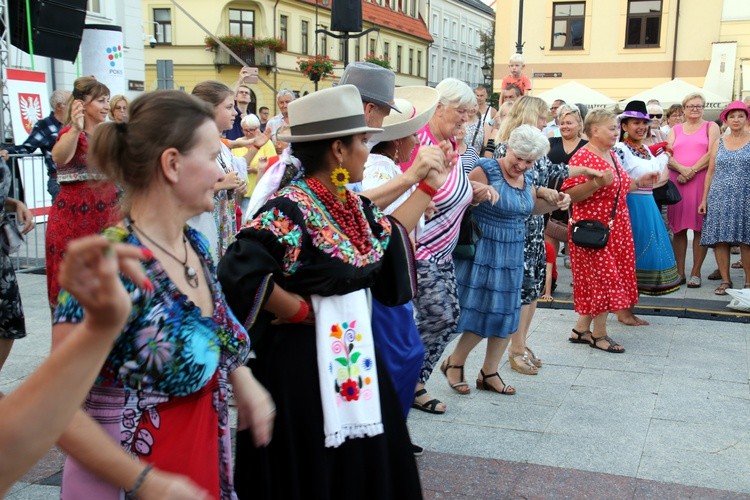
(275, 73)
(674, 48)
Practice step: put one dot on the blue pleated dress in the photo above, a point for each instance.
(489, 286)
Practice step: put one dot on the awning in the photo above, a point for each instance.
(577, 93)
(673, 92)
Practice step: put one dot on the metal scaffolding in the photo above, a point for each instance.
(6, 127)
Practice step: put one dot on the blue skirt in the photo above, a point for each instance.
(489, 286)
(400, 348)
(655, 266)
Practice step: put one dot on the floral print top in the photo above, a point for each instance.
(167, 346)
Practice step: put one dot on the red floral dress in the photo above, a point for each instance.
(603, 279)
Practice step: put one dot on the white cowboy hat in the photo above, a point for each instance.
(417, 104)
(327, 114)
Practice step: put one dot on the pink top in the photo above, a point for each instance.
(687, 149)
(438, 238)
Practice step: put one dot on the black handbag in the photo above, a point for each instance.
(468, 235)
(594, 234)
(11, 238)
(668, 194)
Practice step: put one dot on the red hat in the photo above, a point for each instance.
(733, 106)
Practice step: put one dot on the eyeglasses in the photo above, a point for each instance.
(695, 107)
(658, 115)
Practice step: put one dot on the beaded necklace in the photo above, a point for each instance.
(639, 150)
(347, 215)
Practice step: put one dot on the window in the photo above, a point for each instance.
(567, 25)
(356, 49)
(342, 49)
(242, 22)
(283, 25)
(372, 46)
(163, 26)
(305, 30)
(398, 59)
(435, 25)
(386, 51)
(411, 61)
(413, 8)
(419, 63)
(644, 23)
(94, 6)
(323, 45)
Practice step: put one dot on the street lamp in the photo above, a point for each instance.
(486, 71)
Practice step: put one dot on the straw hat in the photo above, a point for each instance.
(417, 104)
(327, 114)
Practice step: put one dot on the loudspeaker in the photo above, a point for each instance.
(346, 15)
(56, 27)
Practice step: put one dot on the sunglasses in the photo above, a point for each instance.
(659, 115)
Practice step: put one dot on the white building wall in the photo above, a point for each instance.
(455, 28)
(62, 74)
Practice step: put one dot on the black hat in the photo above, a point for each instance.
(635, 109)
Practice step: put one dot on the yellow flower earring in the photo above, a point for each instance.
(340, 178)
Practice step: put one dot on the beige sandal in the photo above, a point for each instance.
(522, 364)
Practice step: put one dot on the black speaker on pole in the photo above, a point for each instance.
(56, 27)
(346, 16)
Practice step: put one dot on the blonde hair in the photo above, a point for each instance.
(517, 58)
(595, 117)
(691, 96)
(113, 103)
(525, 111)
(565, 110)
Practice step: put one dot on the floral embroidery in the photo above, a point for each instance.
(326, 234)
(349, 375)
(286, 232)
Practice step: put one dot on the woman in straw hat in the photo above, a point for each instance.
(339, 428)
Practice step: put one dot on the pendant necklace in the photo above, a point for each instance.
(190, 275)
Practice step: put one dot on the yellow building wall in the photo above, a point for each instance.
(193, 63)
(604, 63)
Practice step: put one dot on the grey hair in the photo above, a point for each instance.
(250, 120)
(528, 142)
(454, 92)
(59, 97)
(285, 93)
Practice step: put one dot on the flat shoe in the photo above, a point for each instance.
(428, 406)
(694, 282)
(610, 348)
(579, 337)
(722, 289)
(715, 276)
(737, 265)
(683, 280)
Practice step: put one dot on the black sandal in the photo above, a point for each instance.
(610, 348)
(427, 406)
(445, 366)
(579, 335)
(484, 386)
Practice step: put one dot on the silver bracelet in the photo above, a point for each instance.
(132, 492)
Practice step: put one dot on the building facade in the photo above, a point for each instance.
(622, 47)
(401, 37)
(456, 27)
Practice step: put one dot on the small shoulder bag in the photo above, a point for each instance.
(594, 234)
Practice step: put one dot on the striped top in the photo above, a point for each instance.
(469, 159)
(440, 233)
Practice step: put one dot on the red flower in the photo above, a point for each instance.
(350, 390)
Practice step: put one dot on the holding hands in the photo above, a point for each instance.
(483, 192)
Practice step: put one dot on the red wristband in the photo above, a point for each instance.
(427, 189)
(301, 314)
